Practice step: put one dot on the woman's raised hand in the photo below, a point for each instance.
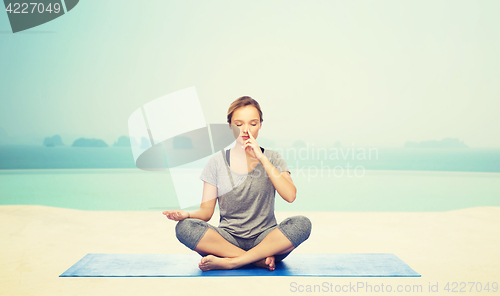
(176, 215)
(252, 148)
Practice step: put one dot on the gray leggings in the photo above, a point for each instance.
(297, 229)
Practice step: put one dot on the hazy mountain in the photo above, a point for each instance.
(122, 141)
(444, 143)
(53, 141)
(82, 142)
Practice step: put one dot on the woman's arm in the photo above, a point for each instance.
(281, 181)
(208, 201)
(206, 210)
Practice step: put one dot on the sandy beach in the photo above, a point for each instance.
(39, 243)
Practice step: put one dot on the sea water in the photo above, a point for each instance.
(371, 158)
(346, 179)
(317, 190)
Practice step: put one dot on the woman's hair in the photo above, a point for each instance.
(242, 102)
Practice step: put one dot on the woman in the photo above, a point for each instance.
(244, 179)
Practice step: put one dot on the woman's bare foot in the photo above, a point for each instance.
(211, 262)
(267, 262)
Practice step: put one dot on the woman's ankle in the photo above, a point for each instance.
(235, 262)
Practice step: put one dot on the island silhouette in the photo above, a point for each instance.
(83, 142)
(444, 143)
(53, 141)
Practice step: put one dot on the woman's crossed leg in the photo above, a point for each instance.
(214, 247)
(219, 253)
(262, 255)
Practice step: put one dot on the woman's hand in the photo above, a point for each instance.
(252, 147)
(176, 215)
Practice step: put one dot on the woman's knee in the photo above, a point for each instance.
(296, 228)
(189, 231)
(304, 224)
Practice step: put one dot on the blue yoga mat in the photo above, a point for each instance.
(186, 265)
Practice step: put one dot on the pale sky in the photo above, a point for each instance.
(365, 72)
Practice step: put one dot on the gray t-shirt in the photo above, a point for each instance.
(247, 209)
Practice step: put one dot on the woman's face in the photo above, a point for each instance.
(245, 119)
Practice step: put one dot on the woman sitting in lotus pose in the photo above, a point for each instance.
(244, 179)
